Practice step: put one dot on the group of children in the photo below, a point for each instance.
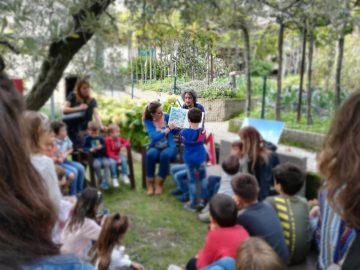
(83, 227)
(282, 221)
(108, 153)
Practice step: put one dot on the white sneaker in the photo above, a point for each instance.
(115, 183)
(126, 179)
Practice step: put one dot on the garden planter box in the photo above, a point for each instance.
(222, 109)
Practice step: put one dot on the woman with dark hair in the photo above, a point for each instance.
(189, 97)
(27, 213)
(79, 109)
(339, 164)
(262, 158)
(162, 147)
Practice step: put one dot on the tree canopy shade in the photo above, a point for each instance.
(62, 51)
(192, 39)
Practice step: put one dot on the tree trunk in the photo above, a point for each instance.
(330, 66)
(146, 64)
(245, 31)
(207, 63)
(161, 61)
(280, 70)
(311, 52)
(150, 62)
(193, 61)
(155, 75)
(211, 64)
(341, 43)
(60, 54)
(302, 71)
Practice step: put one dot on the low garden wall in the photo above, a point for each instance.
(310, 139)
(222, 109)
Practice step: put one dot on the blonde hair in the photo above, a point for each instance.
(339, 161)
(112, 128)
(36, 125)
(256, 254)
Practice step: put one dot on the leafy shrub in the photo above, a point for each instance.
(261, 68)
(127, 113)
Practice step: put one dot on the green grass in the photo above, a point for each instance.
(161, 231)
(320, 124)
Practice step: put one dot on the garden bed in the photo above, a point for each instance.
(222, 109)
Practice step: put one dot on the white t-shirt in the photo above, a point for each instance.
(46, 168)
(79, 241)
(119, 259)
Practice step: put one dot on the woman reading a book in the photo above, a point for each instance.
(162, 147)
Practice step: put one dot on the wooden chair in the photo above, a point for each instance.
(87, 159)
(178, 159)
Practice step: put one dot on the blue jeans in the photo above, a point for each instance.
(113, 166)
(213, 185)
(226, 263)
(164, 156)
(97, 164)
(201, 170)
(180, 176)
(77, 186)
(63, 262)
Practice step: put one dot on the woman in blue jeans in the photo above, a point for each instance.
(162, 147)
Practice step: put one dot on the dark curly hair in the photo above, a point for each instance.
(190, 92)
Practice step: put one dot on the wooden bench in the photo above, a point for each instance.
(86, 158)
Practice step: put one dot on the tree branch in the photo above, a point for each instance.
(10, 46)
(61, 53)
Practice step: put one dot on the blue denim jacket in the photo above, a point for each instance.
(61, 262)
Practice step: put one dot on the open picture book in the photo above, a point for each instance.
(179, 116)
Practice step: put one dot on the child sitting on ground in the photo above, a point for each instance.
(292, 210)
(237, 151)
(82, 228)
(95, 144)
(223, 238)
(114, 151)
(230, 167)
(108, 253)
(65, 148)
(194, 157)
(255, 253)
(258, 218)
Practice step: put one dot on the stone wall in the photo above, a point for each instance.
(312, 139)
(222, 109)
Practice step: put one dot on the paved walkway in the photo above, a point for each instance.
(219, 129)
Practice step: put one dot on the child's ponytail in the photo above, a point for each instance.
(114, 228)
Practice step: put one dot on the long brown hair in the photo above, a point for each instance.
(256, 254)
(78, 86)
(113, 229)
(27, 214)
(150, 109)
(85, 207)
(339, 161)
(253, 145)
